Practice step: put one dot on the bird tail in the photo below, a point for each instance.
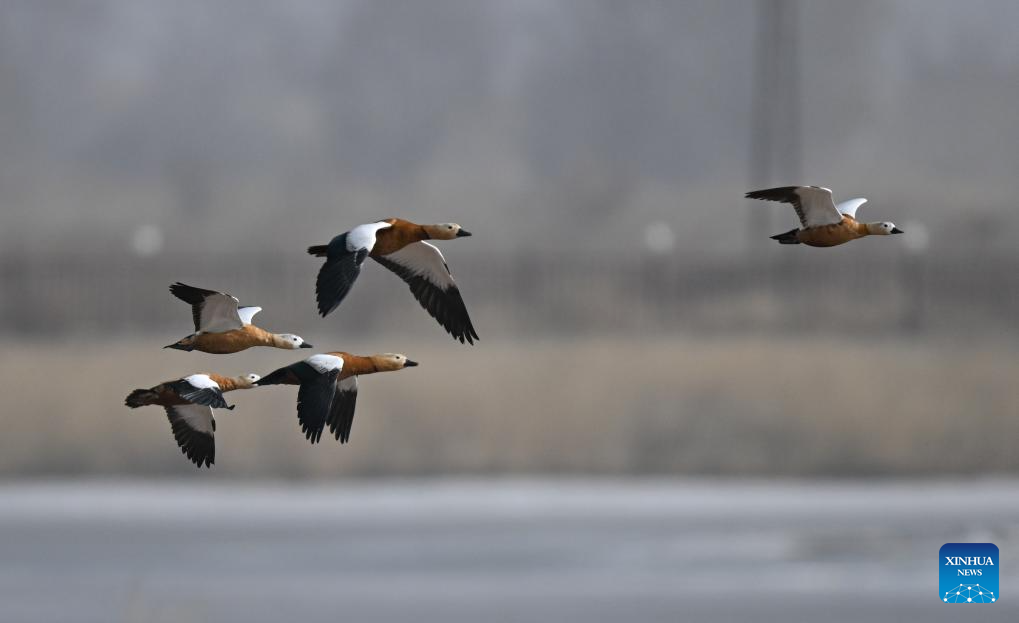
(787, 238)
(140, 398)
(318, 250)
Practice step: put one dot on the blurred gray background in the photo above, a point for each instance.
(642, 339)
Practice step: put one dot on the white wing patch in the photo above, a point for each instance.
(201, 381)
(247, 313)
(850, 206)
(818, 206)
(348, 384)
(424, 260)
(363, 236)
(219, 314)
(197, 417)
(325, 363)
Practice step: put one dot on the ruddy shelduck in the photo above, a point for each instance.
(189, 402)
(328, 388)
(824, 224)
(222, 326)
(400, 246)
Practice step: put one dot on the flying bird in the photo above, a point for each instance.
(327, 390)
(401, 247)
(824, 224)
(222, 326)
(189, 402)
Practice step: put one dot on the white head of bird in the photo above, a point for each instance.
(246, 381)
(885, 228)
(446, 231)
(293, 342)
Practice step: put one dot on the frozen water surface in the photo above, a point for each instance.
(499, 550)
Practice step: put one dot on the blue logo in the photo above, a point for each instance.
(969, 573)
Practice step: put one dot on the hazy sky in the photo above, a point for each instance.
(567, 114)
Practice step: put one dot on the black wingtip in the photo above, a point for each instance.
(782, 194)
(326, 306)
(469, 336)
(764, 194)
(191, 294)
(184, 292)
(314, 398)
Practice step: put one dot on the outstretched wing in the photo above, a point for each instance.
(424, 269)
(314, 398)
(813, 204)
(344, 256)
(850, 206)
(200, 390)
(194, 429)
(341, 413)
(213, 312)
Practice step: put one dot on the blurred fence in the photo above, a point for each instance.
(879, 290)
(798, 362)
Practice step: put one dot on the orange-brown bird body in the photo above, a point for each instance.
(824, 224)
(832, 235)
(168, 393)
(189, 402)
(223, 327)
(236, 340)
(353, 365)
(397, 236)
(403, 248)
(327, 391)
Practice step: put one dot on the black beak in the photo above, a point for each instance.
(306, 345)
(463, 233)
(410, 364)
(896, 230)
(176, 346)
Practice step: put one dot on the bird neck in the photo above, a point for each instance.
(271, 339)
(356, 365)
(869, 229)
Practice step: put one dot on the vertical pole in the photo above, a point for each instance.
(775, 144)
